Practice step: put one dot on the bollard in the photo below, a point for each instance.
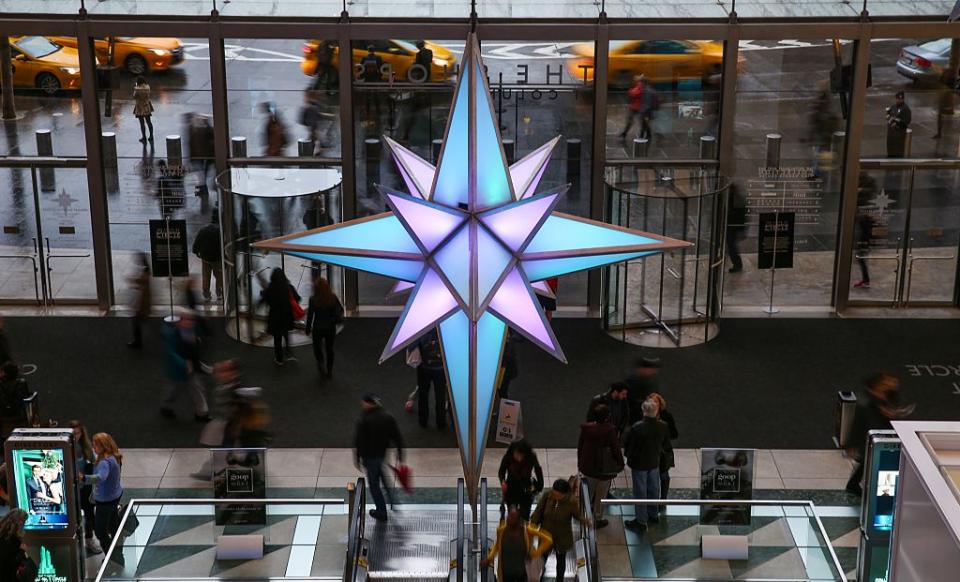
(837, 143)
(48, 182)
(908, 143)
(108, 141)
(436, 146)
(174, 152)
(773, 150)
(708, 147)
(305, 147)
(238, 147)
(371, 151)
(509, 150)
(641, 147)
(574, 152)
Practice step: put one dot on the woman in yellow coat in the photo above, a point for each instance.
(514, 546)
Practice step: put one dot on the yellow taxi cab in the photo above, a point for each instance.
(659, 60)
(399, 54)
(136, 54)
(37, 62)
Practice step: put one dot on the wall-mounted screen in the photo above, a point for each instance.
(41, 492)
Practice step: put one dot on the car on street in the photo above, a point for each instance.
(399, 54)
(925, 61)
(37, 62)
(137, 54)
(661, 61)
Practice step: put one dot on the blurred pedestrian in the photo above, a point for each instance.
(898, 121)
(142, 298)
(430, 372)
(946, 86)
(599, 458)
(667, 455)
(15, 565)
(13, 393)
(555, 511)
(200, 140)
(84, 462)
(376, 432)
(221, 430)
(821, 124)
(635, 104)
(643, 381)
(877, 406)
(371, 71)
(206, 246)
(275, 131)
(736, 226)
(863, 231)
(642, 445)
(280, 298)
(509, 366)
(107, 488)
(6, 351)
(252, 419)
(324, 314)
(143, 108)
(549, 302)
(517, 544)
(616, 399)
(183, 366)
(521, 477)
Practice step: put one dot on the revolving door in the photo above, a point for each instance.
(671, 299)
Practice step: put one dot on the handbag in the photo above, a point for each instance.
(413, 357)
(298, 311)
(133, 522)
(607, 463)
(534, 568)
(26, 568)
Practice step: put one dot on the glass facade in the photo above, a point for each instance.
(775, 115)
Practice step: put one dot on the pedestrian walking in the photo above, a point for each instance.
(599, 458)
(206, 246)
(15, 565)
(430, 372)
(281, 300)
(946, 87)
(642, 445)
(143, 108)
(376, 432)
(616, 399)
(221, 430)
(521, 477)
(509, 366)
(556, 510)
(13, 393)
(866, 195)
(517, 544)
(324, 314)
(549, 302)
(667, 456)
(142, 297)
(84, 462)
(879, 404)
(200, 140)
(183, 365)
(107, 488)
(6, 351)
(736, 227)
(898, 121)
(275, 132)
(643, 381)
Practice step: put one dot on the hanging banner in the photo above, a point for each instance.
(240, 474)
(508, 423)
(775, 247)
(168, 248)
(726, 474)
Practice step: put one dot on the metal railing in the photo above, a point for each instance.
(355, 531)
(461, 499)
(119, 537)
(588, 534)
(836, 569)
(482, 534)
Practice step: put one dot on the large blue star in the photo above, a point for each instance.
(471, 240)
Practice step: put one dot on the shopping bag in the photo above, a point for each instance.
(404, 476)
(298, 311)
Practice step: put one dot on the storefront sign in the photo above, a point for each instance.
(726, 474)
(775, 248)
(508, 425)
(168, 248)
(240, 474)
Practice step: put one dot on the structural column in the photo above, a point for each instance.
(96, 190)
(221, 145)
(599, 153)
(348, 186)
(728, 99)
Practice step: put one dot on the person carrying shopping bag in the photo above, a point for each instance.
(515, 550)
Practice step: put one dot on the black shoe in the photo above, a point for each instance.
(635, 525)
(653, 520)
(854, 490)
(202, 417)
(167, 413)
(735, 269)
(134, 345)
(601, 523)
(143, 140)
(378, 515)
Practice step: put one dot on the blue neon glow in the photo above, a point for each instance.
(385, 233)
(490, 332)
(455, 337)
(540, 269)
(452, 184)
(492, 260)
(394, 268)
(565, 234)
(493, 183)
(454, 260)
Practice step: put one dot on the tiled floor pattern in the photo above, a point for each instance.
(178, 541)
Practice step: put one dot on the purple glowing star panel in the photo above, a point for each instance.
(453, 258)
(562, 233)
(515, 303)
(429, 224)
(382, 233)
(525, 174)
(431, 301)
(417, 173)
(492, 260)
(515, 223)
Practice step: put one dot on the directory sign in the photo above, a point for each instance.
(726, 474)
(883, 474)
(38, 476)
(168, 248)
(775, 247)
(240, 474)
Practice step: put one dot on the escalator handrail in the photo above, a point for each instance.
(460, 529)
(355, 532)
(588, 534)
(484, 541)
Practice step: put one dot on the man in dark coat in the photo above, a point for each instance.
(206, 246)
(642, 382)
(879, 405)
(898, 120)
(599, 439)
(376, 431)
(642, 445)
(430, 373)
(618, 406)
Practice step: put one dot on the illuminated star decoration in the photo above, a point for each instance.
(470, 241)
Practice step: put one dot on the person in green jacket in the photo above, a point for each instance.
(555, 509)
